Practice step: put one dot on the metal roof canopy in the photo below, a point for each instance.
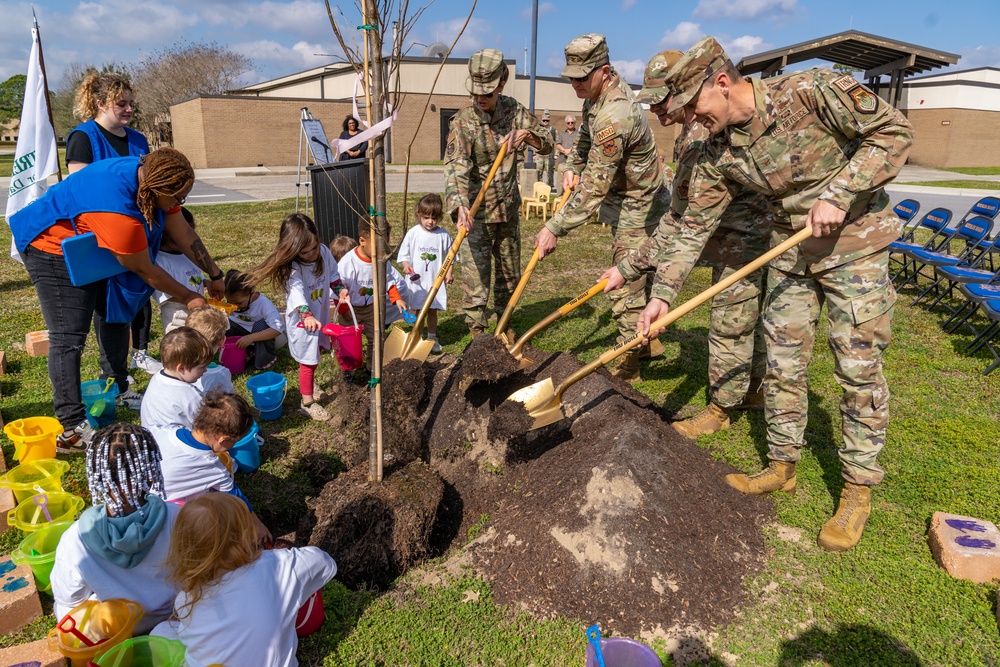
(875, 55)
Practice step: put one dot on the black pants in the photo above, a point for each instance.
(262, 352)
(68, 311)
(140, 327)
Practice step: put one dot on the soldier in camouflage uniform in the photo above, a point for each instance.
(619, 173)
(821, 147)
(547, 163)
(736, 353)
(477, 131)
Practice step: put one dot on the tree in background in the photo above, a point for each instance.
(179, 72)
(12, 98)
(63, 95)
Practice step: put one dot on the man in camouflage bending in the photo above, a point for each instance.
(821, 147)
(736, 356)
(615, 162)
(477, 132)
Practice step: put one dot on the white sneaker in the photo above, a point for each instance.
(315, 411)
(129, 399)
(142, 361)
(436, 348)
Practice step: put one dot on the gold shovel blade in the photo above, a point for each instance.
(395, 347)
(541, 403)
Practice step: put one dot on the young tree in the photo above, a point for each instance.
(180, 72)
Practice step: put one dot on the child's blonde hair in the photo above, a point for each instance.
(342, 245)
(210, 323)
(184, 346)
(214, 534)
(222, 414)
(297, 233)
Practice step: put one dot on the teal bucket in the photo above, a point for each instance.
(99, 404)
(268, 392)
(246, 451)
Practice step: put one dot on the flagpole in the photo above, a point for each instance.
(45, 86)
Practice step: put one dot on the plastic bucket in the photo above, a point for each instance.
(232, 357)
(144, 651)
(29, 478)
(311, 615)
(621, 652)
(100, 404)
(93, 627)
(246, 451)
(34, 438)
(38, 551)
(347, 344)
(268, 392)
(30, 516)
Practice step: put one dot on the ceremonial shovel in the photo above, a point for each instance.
(543, 400)
(401, 345)
(504, 321)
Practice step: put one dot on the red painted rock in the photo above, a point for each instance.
(966, 547)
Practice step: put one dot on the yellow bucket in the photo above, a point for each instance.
(92, 627)
(33, 437)
(29, 478)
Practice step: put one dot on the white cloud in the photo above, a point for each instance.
(745, 10)
(543, 9)
(627, 5)
(478, 35)
(682, 37)
(265, 52)
(980, 56)
(632, 70)
(743, 46)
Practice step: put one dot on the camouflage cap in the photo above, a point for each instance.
(694, 68)
(486, 69)
(584, 54)
(655, 86)
(545, 114)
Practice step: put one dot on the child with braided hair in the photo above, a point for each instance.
(118, 547)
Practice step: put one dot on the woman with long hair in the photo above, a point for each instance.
(351, 129)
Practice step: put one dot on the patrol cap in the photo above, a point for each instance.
(585, 54)
(545, 114)
(692, 70)
(655, 86)
(486, 70)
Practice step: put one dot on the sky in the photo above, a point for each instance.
(286, 36)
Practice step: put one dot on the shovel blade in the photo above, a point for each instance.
(541, 403)
(506, 337)
(396, 344)
(524, 362)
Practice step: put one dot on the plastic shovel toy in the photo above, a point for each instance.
(42, 503)
(594, 637)
(401, 345)
(517, 349)
(543, 400)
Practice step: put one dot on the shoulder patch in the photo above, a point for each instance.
(612, 148)
(450, 151)
(605, 133)
(845, 83)
(865, 101)
(683, 188)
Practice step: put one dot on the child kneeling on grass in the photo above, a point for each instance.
(196, 461)
(256, 320)
(237, 603)
(119, 546)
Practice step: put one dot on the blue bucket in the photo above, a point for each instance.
(99, 404)
(268, 392)
(246, 452)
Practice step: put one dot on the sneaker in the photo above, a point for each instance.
(144, 362)
(436, 348)
(131, 400)
(77, 440)
(315, 411)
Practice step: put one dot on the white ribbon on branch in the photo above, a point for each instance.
(339, 146)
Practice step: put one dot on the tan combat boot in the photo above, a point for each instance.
(711, 419)
(777, 476)
(654, 349)
(844, 530)
(628, 368)
(754, 400)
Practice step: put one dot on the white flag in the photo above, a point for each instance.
(36, 157)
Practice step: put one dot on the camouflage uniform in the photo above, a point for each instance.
(546, 163)
(620, 174)
(740, 238)
(814, 136)
(473, 144)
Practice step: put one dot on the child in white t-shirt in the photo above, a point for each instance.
(173, 395)
(355, 269)
(256, 321)
(212, 323)
(421, 254)
(237, 603)
(183, 270)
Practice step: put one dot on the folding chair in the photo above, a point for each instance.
(906, 211)
(936, 221)
(975, 294)
(985, 339)
(973, 232)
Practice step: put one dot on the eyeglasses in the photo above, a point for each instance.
(180, 200)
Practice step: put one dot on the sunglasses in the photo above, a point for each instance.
(581, 79)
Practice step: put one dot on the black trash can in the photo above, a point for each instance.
(340, 197)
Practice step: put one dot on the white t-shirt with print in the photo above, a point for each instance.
(425, 251)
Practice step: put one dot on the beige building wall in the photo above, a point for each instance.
(955, 138)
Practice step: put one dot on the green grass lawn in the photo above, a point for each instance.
(964, 185)
(976, 171)
(884, 603)
(7, 162)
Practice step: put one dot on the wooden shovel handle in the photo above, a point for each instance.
(636, 339)
(414, 336)
(557, 314)
(518, 291)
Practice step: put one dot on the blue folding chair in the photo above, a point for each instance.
(906, 211)
(985, 338)
(973, 274)
(975, 294)
(973, 232)
(937, 222)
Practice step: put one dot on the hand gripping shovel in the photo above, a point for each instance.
(517, 349)
(401, 345)
(543, 400)
(501, 331)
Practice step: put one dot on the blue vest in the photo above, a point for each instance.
(108, 186)
(101, 148)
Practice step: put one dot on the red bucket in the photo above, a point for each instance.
(347, 345)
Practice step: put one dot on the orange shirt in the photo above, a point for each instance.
(121, 234)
